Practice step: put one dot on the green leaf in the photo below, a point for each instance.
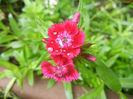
(2, 26)
(6, 73)
(34, 64)
(112, 60)
(9, 86)
(51, 83)
(12, 1)
(11, 67)
(86, 73)
(2, 75)
(30, 77)
(27, 51)
(16, 44)
(102, 95)
(8, 65)
(7, 38)
(93, 93)
(5, 55)
(42, 29)
(126, 82)
(68, 90)
(24, 70)
(13, 24)
(122, 96)
(20, 58)
(20, 82)
(108, 76)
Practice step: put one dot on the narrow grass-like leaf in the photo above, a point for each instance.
(20, 58)
(2, 26)
(126, 82)
(108, 76)
(20, 82)
(122, 96)
(102, 95)
(16, 44)
(51, 83)
(2, 75)
(68, 90)
(93, 93)
(30, 77)
(8, 65)
(9, 86)
(13, 24)
(6, 39)
(6, 73)
(12, 67)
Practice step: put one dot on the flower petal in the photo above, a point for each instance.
(72, 52)
(55, 30)
(53, 47)
(48, 69)
(67, 74)
(71, 27)
(61, 60)
(79, 39)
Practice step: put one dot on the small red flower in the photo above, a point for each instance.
(65, 39)
(63, 71)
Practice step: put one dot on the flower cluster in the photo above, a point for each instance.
(64, 42)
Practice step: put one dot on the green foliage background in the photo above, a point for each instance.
(108, 24)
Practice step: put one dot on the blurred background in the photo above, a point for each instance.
(108, 24)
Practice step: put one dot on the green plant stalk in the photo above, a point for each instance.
(9, 86)
(68, 90)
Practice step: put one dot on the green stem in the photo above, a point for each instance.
(68, 90)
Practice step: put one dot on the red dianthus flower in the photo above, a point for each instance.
(63, 71)
(65, 39)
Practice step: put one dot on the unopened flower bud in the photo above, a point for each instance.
(76, 17)
(89, 57)
(45, 40)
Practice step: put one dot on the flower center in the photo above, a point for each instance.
(60, 70)
(64, 39)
